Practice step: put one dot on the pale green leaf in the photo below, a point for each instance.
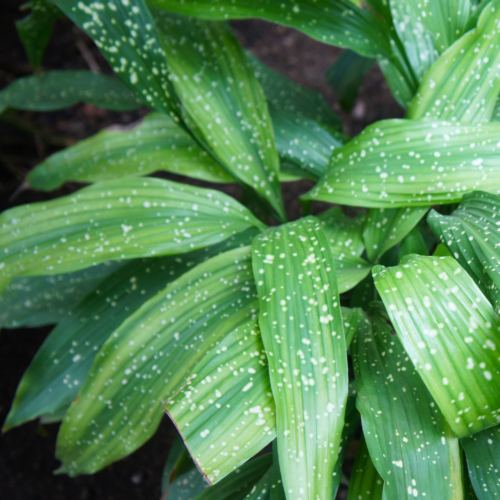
(397, 163)
(464, 82)
(483, 459)
(150, 357)
(60, 89)
(387, 227)
(302, 331)
(122, 219)
(224, 103)
(365, 482)
(350, 271)
(450, 332)
(410, 443)
(155, 144)
(226, 411)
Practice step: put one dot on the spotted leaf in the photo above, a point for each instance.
(121, 219)
(302, 331)
(400, 163)
(410, 443)
(450, 332)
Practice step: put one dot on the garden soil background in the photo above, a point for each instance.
(27, 453)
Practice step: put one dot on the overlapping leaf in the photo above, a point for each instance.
(156, 144)
(464, 82)
(121, 219)
(399, 163)
(450, 332)
(302, 331)
(387, 227)
(410, 443)
(150, 357)
(60, 89)
(413, 243)
(483, 459)
(224, 103)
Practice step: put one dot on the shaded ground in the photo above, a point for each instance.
(27, 453)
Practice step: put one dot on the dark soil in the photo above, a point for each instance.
(27, 453)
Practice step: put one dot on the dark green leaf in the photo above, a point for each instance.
(262, 490)
(187, 487)
(413, 243)
(178, 463)
(122, 219)
(350, 271)
(60, 89)
(302, 331)
(397, 163)
(450, 332)
(410, 443)
(277, 490)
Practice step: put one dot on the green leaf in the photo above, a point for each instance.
(471, 235)
(450, 331)
(125, 34)
(337, 22)
(262, 490)
(34, 30)
(365, 482)
(302, 331)
(277, 490)
(350, 271)
(346, 76)
(483, 459)
(240, 483)
(121, 219)
(55, 375)
(397, 163)
(223, 100)
(386, 228)
(410, 443)
(187, 487)
(60, 89)
(413, 243)
(226, 412)
(156, 144)
(178, 463)
(46, 300)
(150, 357)
(464, 82)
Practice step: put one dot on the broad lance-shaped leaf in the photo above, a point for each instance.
(483, 459)
(224, 103)
(121, 219)
(337, 22)
(226, 412)
(55, 375)
(450, 332)
(400, 163)
(365, 482)
(125, 33)
(156, 144)
(46, 300)
(409, 440)
(471, 234)
(150, 357)
(60, 89)
(464, 82)
(302, 331)
(34, 30)
(387, 227)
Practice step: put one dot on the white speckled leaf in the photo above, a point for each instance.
(122, 219)
(464, 82)
(400, 163)
(224, 103)
(410, 443)
(471, 235)
(365, 482)
(483, 459)
(155, 144)
(60, 89)
(56, 373)
(46, 300)
(262, 490)
(226, 413)
(125, 33)
(387, 227)
(451, 334)
(150, 357)
(302, 331)
(350, 271)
